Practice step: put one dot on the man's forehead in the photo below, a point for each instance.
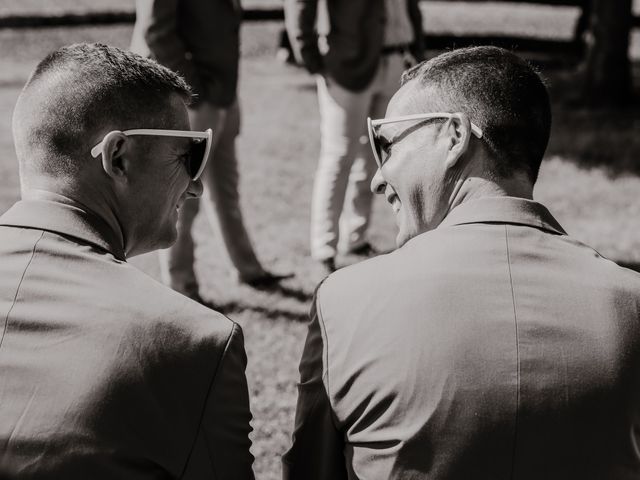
(179, 116)
(406, 101)
(410, 99)
(398, 104)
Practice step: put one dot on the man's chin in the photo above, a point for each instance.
(168, 237)
(405, 234)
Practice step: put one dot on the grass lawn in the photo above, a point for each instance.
(589, 181)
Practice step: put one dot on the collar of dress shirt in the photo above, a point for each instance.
(65, 219)
(518, 211)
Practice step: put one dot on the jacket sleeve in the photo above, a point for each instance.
(415, 15)
(318, 446)
(166, 45)
(300, 20)
(221, 450)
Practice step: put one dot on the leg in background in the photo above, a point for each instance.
(342, 114)
(359, 199)
(222, 181)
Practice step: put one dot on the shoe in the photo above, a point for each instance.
(285, 56)
(364, 250)
(329, 265)
(285, 52)
(266, 281)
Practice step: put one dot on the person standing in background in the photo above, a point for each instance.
(358, 52)
(200, 40)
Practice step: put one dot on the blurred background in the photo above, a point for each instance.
(589, 53)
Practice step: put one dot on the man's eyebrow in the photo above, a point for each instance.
(184, 145)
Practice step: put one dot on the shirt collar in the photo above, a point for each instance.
(518, 211)
(64, 219)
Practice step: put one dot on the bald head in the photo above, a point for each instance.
(499, 91)
(78, 93)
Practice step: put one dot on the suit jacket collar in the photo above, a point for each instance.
(68, 220)
(518, 211)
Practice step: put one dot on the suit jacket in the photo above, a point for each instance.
(493, 347)
(105, 373)
(354, 32)
(197, 38)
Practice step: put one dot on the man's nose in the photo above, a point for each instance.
(378, 183)
(195, 188)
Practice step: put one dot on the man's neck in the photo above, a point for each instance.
(473, 188)
(102, 211)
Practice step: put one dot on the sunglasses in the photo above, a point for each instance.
(199, 147)
(381, 146)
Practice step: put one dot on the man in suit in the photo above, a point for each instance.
(358, 51)
(490, 344)
(200, 40)
(104, 372)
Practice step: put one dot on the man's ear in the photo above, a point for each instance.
(459, 129)
(114, 146)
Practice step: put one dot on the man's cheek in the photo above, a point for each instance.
(416, 202)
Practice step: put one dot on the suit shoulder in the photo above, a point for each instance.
(351, 279)
(366, 276)
(175, 334)
(611, 271)
(148, 304)
(626, 275)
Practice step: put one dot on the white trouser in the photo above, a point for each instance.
(346, 165)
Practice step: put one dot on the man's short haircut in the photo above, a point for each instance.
(85, 88)
(502, 94)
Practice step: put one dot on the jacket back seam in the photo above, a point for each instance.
(515, 321)
(15, 297)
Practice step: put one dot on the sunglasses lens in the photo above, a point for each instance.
(378, 149)
(196, 156)
(373, 139)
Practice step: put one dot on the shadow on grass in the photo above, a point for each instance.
(295, 293)
(604, 137)
(232, 307)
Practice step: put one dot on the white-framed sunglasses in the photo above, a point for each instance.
(198, 150)
(381, 152)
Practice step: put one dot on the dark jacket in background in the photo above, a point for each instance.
(354, 33)
(197, 38)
